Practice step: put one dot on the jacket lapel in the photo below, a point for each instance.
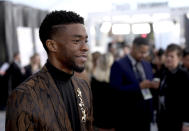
(80, 104)
(57, 102)
(146, 71)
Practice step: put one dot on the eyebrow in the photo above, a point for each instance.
(79, 36)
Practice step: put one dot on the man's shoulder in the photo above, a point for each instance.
(121, 63)
(32, 81)
(183, 72)
(125, 58)
(144, 62)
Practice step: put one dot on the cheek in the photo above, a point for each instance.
(177, 61)
(63, 54)
(168, 60)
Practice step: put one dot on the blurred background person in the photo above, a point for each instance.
(111, 49)
(126, 49)
(95, 57)
(34, 66)
(15, 74)
(158, 62)
(157, 67)
(3, 90)
(185, 59)
(173, 113)
(132, 77)
(102, 93)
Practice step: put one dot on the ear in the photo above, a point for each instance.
(51, 45)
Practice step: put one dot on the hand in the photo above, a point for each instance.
(185, 128)
(155, 84)
(149, 84)
(145, 84)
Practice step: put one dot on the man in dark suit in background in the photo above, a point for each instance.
(131, 76)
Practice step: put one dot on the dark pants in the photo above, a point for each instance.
(167, 122)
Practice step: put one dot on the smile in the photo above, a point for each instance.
(83, 58)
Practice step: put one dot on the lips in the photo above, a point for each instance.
(83, 58)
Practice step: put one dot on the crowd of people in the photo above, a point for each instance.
(12, 74)
(142, 89)
(76, 90)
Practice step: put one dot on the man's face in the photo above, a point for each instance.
(72, 46)
(140, 52)
(172, 60)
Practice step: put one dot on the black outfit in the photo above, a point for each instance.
(28, 71)
(102, 104)
(14, 76)
(65, 86)
(3, 93)
(173, 100)
(157, 74)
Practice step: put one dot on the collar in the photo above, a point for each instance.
(175, 70)
(133, 61)
(56, 73)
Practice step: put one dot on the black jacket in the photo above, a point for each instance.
(174, 87)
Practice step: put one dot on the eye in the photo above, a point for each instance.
(76, 41)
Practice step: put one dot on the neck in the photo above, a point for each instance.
(173, 69)
(133, 56)
(59, 65)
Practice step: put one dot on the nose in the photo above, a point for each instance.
(84, 47)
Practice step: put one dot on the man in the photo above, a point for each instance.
(131, 77)
(54, 99)
(173, 92)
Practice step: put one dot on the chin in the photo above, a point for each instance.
(79, 69)
(171, 67)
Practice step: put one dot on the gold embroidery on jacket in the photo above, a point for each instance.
(81, 105)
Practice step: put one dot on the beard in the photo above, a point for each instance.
(78, 69)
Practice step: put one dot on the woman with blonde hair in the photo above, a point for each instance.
(102, 93)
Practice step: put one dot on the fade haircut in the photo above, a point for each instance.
(49, 25)
(139, 41)
(174, 47)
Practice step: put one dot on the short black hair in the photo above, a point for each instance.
(54, 18)
(185, 52)
(174, 47)
(138, 41)
(160, 52)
